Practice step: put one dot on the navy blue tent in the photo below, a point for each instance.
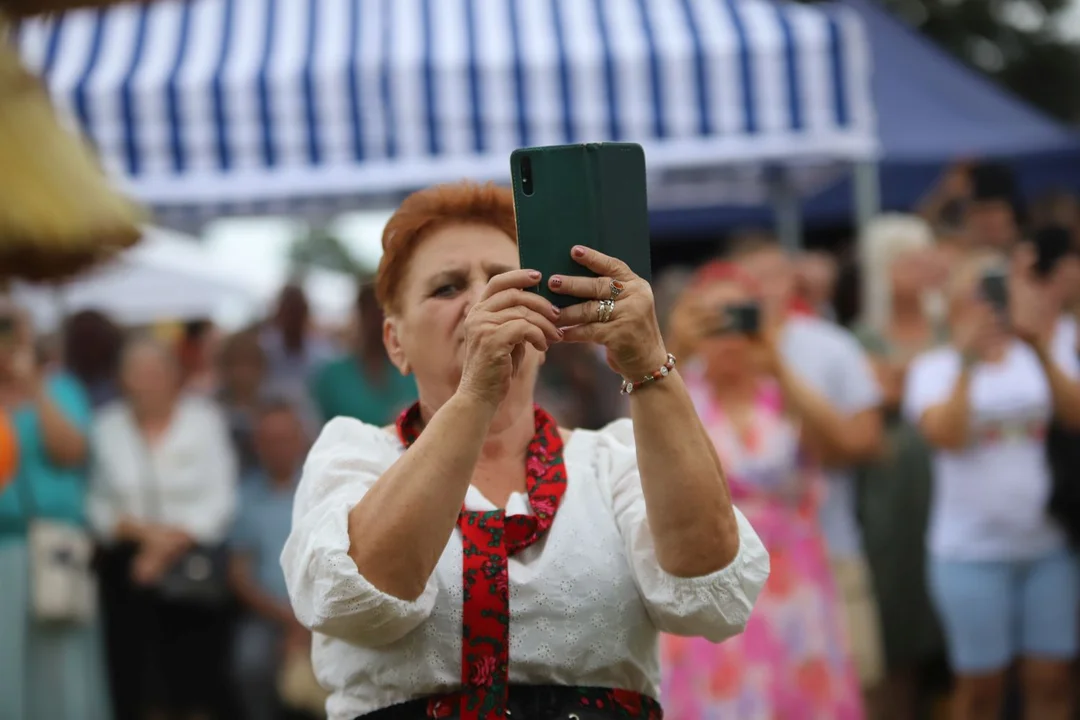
(931, 109)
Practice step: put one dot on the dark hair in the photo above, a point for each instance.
(272, 403)
(997, 182)
(237, 343)
(366, 296)
(196, 329)
(993, 181)
(92, 346)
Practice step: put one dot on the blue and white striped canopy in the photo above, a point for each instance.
(202, 102)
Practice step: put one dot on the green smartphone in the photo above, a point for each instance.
(592, 195)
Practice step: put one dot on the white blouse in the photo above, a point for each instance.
(188, 479)
(587, 601)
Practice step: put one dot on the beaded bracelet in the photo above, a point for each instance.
(629, 387)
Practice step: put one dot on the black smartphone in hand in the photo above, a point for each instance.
(994, 289)
(740, 318)
(592, 195)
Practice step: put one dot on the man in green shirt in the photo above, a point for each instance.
(363, 384)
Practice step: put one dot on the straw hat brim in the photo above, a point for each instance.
(58, 212)
(28, 8)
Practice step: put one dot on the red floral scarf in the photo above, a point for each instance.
(488, 539)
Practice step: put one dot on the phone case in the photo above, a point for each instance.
(592, 195)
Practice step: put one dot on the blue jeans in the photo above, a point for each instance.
(995, 611)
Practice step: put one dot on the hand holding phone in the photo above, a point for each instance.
(994, 290)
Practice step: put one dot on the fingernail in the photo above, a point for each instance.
(560, 331)
(555, 281)
(578, 251)
(555, 310)
(616, 284)
(534, 274)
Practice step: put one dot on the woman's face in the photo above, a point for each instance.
(445, 278)
(912, 272)
(243, 368)
(725, 354)
(149, 378)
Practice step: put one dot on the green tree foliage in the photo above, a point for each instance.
(1028, 46)
(318, 248)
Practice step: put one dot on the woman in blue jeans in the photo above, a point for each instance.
(1002, 578)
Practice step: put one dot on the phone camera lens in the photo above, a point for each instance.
(526, 176)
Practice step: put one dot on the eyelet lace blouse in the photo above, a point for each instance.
(587, 602)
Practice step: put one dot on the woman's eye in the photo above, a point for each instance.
(444, 291)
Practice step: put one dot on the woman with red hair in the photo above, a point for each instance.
(475, 560)
(792, 661)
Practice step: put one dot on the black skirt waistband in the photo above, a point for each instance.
(537, 702)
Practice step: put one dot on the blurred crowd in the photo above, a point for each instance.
(907, 467)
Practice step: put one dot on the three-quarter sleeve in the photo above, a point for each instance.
(714, 606)
(328, 593)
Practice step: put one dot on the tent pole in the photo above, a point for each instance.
(867, 188)
(788, 210)
(866, 181)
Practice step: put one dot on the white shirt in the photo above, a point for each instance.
(188, 479)
(586, 602)
(832, 362)
(989, 500)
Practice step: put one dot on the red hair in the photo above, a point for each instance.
(428, 210)
(719, 271)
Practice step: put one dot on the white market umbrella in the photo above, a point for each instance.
(166, 277)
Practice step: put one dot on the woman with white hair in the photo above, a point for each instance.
(901, 318)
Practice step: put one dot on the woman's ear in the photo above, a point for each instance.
(392, 342)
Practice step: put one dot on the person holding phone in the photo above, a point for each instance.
(475, 560)
(830, 360)
(793, 660)
(1004, 582)
(48, 668)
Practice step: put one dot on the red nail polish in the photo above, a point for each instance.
(556, 281)
(578, 251)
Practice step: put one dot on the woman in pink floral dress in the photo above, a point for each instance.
(792, 662)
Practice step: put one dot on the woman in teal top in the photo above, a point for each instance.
(47, 671)
(363, 384)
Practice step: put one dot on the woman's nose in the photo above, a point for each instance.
(473, 295)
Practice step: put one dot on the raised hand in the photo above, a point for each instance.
(618, 313)
(499, 328)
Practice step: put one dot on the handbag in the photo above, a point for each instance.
(63, 588)
(201, 575)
